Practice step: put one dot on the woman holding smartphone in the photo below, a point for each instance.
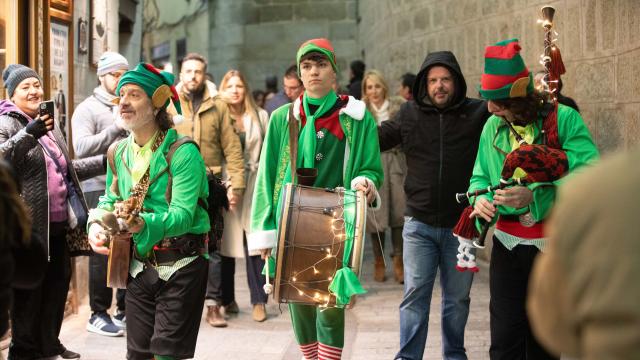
(36, 150)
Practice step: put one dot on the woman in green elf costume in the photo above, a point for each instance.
(338, 138)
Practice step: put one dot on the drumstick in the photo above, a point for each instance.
(384, 261)
(268, 288)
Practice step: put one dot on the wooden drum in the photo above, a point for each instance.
(316, 227)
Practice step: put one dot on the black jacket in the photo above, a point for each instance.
(440, 145)
(25, 154)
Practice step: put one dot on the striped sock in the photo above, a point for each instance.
(310, 351)
(326, 352)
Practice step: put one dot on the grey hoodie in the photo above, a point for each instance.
(93, 130)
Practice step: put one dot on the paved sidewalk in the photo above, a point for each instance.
(372, 327)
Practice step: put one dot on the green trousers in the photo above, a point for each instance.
(312, 323)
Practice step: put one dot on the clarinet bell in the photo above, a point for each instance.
(547, 14)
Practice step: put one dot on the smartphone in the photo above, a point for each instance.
(46, 107)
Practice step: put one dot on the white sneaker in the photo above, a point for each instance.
(101, 323)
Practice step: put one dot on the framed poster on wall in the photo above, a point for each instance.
(59, 76)
(98, 30)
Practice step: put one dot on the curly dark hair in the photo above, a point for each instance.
(164, 120)
(525, 110)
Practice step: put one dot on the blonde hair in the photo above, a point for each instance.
(249, 105)
(376, 76)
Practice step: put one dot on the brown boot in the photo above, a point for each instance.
(378, 274)
(259, 313)
(398, 269)
(214, 317)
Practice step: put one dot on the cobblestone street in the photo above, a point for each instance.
(372, 327)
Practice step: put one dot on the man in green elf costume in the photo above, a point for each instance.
(339, 139)
(519, 211)
(168, 272)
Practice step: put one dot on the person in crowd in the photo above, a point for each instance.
(250, 123)
(292, 89)
(207, 80)
(258, 98)
(518, 211)
(357, 68)
(406, 86)
(15, 234)
(35, 148)
(207, 122)
(582, 299)
(438, 133)
(564, 100)
(336, 133)
(168, 269)
(94, 129)
(271, 86)
(391, 212)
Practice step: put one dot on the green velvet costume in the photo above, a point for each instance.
(340, 162)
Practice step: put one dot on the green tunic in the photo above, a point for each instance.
(495, 143)
(161, 220)
(360, 158)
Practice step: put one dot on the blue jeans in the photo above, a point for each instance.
(425, 249)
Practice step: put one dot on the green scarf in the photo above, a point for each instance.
(308, 135)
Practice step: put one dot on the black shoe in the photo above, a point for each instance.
(68, 354)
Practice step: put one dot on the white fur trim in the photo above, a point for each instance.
(377, 203)
(355, 108)
(265, 239)
(296, 108)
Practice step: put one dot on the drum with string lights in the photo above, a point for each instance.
(320, 242)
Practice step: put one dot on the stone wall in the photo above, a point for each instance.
(257, 37)
(599, 39)
(260, 37)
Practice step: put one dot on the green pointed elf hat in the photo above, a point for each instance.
(505, 74)
(320, 45)
(157, 84)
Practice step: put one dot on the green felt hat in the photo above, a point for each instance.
(320, 45)
(505, 73)
(157, 84)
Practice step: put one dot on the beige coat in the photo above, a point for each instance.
(391, 211)
(584, 291)
(239, 220)
(211, 128)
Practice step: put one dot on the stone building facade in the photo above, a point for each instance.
(599, 40)
(257, 37)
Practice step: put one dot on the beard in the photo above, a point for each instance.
(137, 121)
(193, 88)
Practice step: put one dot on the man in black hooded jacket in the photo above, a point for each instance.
(439, 133)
